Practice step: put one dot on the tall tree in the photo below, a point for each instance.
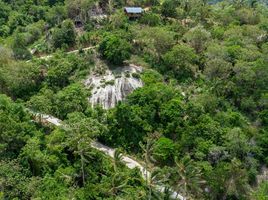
(189, 179)
(81, 132)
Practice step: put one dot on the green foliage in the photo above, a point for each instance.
(70, 99)
(115, 49)
(247, 16)
(218, 69)
(79, 8)
(154, 42)
(17, 19)
(15, 128)
(164, 150)
(64, 35)
(230, 180)
(168, 8)
(5, 12)
(56, 14)
(201, 115)
(140, 115)
(189, 177)
(197, 38)
(150, 19)
(151, 77)
(42, 102)
(18, 79)
(15, 182)
(118, 20)
(19, 47)
(181, 61)
(58, 74)
(261, 193)
(60, 164)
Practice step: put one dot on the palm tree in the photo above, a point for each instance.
(117, 160)
(83, 150)
(81, 131)
(236, 180)
(119, 178)
(148, 151)
(154, 176)
(156, 184)
(189, 177)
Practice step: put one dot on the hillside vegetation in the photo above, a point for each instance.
(199, 123)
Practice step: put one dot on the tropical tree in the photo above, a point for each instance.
(154, 176)
(168, 8)
(65, 35)
(56, 14)
(15, 128)
(236, 182)
(164, 150)
(71, 99)
(148, 149)
(197, 38)
(154, 42)
(181, 61)
(80, 9)
(119, 180)
(81, 132)
(42, 102)
(189, 179)
(115, 49)
(229, 180)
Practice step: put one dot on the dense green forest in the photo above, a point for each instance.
(199, 123)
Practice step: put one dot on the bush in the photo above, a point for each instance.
(110, 82)
(4, 30)
(136, 75)
(150, 19)
(21, 53)
(19, 47)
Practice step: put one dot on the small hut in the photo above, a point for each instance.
(133, 12)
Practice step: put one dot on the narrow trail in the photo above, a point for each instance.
(129, 162)
(46, 57)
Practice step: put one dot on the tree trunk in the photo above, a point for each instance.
(82, 168)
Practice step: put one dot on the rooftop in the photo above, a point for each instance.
(134, 10)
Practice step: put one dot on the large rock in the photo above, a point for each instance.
(113, 85)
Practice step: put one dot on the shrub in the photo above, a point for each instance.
(150, 19)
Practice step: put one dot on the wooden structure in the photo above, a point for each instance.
(133, 12)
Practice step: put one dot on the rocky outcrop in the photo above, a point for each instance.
(112, 86)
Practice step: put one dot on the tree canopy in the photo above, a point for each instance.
(199, 123)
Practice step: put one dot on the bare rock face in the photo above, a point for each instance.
(113, 86)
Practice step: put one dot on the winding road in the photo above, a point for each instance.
(129, 162)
